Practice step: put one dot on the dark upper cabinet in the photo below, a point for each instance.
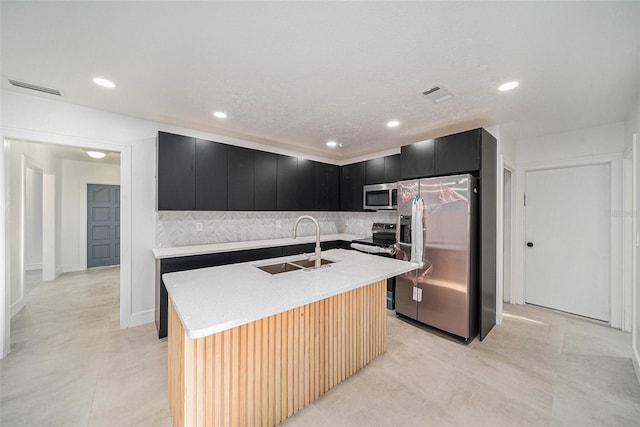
(392, 168)
(240, 172)
(374, 171)
(417, 160)
(265, 177)
(351, 183)
(458, 153)
(211, 175)
(327, 185)
(306, 184)
(287, 183)
(176, 189)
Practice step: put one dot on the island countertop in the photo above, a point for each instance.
(211, 300)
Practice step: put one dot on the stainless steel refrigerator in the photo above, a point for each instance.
(437, 227)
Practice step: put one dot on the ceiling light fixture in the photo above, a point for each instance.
(508, 86)
(393, 123)
(104, 82)
(332, 144)
(96, 154)
(220, 115)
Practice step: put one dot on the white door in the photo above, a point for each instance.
(568, 240)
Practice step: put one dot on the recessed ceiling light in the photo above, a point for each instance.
(332, 144)
(508, 86)
(96, 154)
(393, 123)
(220, 115)
(104, 82)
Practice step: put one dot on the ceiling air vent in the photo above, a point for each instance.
(37, 88)
(438, 94)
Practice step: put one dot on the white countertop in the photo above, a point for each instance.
(211, 300)
(178, 251)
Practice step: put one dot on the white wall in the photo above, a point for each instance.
(33, 220)
(583, 146)
(75, 177)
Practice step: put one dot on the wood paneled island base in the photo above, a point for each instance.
(263, 372)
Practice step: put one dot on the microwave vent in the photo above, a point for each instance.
(438, 94)
(35, 87)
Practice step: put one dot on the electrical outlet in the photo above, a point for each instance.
(278, 223)
(198, 226)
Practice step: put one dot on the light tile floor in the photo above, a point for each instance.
(71, 365)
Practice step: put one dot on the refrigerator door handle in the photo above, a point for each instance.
(417, 294)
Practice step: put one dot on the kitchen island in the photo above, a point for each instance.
(250, 348)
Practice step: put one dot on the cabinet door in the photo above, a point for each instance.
(211, 176)
(351, 183)
(265, 181)
(417, 160)
(392, 168)
(306, 184)
(176, 172)
(374, 171)
(458, 153)
(327, 187)
(240, 173)
(287, 185)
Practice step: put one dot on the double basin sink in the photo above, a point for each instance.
(302, 264)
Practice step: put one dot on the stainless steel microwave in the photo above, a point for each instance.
(380, 196)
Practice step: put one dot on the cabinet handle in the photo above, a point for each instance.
(529, 244)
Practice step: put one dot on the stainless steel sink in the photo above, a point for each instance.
(281, 267)
(307, 264)
(301, 264)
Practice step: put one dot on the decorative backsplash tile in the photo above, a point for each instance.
(181, 228)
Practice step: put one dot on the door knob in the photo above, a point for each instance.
(529, 244)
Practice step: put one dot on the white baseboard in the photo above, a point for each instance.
(142, 317)
(16, 307)
(32, 267)
(635, 357)
(68, 269)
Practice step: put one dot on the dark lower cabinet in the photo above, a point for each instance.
(240, 167)
(265, 178)
(176, 184)
(351, 183)
(171, 265)
(211, 175)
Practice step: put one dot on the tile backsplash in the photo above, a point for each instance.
(181, 228)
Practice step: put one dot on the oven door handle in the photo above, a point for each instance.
(373, 249)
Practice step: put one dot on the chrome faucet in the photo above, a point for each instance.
(317, 255)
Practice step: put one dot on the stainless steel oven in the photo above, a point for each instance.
(377, 197)
(381, 243)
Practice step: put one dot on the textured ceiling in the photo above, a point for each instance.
(297, 74)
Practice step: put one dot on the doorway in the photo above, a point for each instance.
(65, 170)
(568, 235)
(33, 226)
(507, 224)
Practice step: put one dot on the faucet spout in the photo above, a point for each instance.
(317, 255)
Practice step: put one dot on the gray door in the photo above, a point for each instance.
(103, 225)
